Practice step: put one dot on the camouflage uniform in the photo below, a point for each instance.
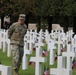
(16, 34)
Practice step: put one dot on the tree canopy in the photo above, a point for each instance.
(39, 7)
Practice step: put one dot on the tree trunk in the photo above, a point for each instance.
(74, 24)
(38, 23)
(66, 23)
(2, 21)
(50, 20)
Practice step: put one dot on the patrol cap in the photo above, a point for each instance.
(22, 16)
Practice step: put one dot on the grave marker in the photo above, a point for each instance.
(51, 47)
(59, 42)
(25, 56)
(60, 70)
(6, 70)
(69, 55)
(39, 43)
(38, 60)
(31, 41)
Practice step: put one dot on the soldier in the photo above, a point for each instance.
(16, 34)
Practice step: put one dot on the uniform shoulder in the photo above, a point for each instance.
(25, 25)
(15, 23)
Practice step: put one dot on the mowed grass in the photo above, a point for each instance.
(31, 69)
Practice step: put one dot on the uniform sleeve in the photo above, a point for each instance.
(10, 30)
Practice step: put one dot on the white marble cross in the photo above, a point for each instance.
(59, 42)
(3, 40)
(35, 35)
(52, 34)
(39, 43)
(0, 39)
(25, 56)
(27, 36)
(38, 61)
(51, 47)
(74, 43)
(30, 41)
(8, 48)
(47, 36)
(57, 32)
(5, 70)
(70, 34)
(41, 32)
(67, 37)
(60, 70)
(47, 41)
(69, 55)
(63, 39)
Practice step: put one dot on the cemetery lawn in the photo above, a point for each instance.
(31, 69)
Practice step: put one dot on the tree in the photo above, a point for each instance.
(57, 9)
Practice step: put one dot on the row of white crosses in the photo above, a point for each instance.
(33, 36)
(61, 59)
(29, 39)
(64, 67)
(51, 46)
(70, 54)
(56, 36)
(5, 42)
(54, 33)
(61, 70)
(28, 42)
(2, 39)
(61, 38)
(38, 45)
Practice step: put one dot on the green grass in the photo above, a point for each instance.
(31, 70)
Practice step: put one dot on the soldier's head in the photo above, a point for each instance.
(21, 19)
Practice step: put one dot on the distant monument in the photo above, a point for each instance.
(56, 27)
(32, 26)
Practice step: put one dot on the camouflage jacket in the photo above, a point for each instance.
(16, 33)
